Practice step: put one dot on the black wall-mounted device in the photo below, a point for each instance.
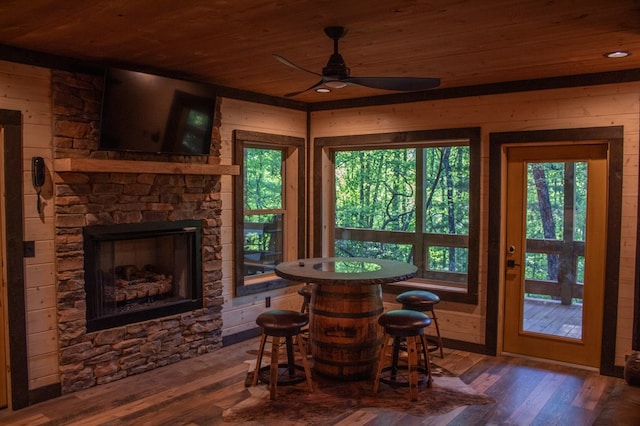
(38, 171)
(38, 175)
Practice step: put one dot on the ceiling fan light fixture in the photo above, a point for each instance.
(336, 74)
(617, 54)
(335, 84)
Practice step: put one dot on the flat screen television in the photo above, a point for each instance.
(154, 114)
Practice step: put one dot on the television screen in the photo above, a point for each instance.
(154, 114)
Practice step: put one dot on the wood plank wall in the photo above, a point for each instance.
(28, 89)
(239, 313)
(606, 105)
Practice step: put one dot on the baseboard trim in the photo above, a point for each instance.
(44, 393)
(241, 337)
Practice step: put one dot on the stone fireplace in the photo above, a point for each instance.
(98, 341)
(136, 272)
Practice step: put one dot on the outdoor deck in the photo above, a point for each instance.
(550, 317)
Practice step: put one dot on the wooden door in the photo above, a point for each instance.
(556, 244)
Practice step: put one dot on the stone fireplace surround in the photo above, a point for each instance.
(82, 199)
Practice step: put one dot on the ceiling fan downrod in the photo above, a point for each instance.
(336, 67)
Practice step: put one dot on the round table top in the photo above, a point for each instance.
(345, 270)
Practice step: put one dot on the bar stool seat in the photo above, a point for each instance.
(424, 301)
(277, 324)
(409, 326)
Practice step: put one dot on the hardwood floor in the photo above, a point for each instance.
(195, 392)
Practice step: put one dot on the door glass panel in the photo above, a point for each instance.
(554, 258)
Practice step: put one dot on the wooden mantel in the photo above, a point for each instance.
(88, 165)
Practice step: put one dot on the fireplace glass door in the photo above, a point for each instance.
(139, 274)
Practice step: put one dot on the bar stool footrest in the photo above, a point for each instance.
(434, 345)
(401, 374)
(284, 376)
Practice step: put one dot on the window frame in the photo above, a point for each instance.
(323, 187)
(294, 201)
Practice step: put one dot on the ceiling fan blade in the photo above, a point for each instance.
(292, 65)
(402, 84)
(315, 86)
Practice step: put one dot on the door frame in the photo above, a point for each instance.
(11, 121)
(613, 136)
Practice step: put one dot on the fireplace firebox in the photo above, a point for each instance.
(137, 272)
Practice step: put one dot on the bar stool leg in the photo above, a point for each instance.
(273, 370)
(395, 356)
(290, 358)
(305, 363)
(427, 361)
(412, 365)
(435, 320)
(383, 353)
(256, 372)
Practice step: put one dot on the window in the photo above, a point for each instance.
(415, 201)
(268, 216)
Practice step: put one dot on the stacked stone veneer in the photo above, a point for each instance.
(82, 199)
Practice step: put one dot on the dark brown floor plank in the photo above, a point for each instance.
(195, 392)
(532, 392)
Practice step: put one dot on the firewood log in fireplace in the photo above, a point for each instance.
(132, 283)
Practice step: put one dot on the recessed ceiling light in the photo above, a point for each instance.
(323, 90)
(617, 54)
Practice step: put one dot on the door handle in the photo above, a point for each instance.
(512, 263)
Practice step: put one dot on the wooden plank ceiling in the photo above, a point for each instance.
(231, 42)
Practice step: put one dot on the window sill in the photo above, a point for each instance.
(446, 292)
(264, 282)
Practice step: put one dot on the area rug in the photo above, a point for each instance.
(334, 399)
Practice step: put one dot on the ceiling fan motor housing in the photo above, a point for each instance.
(336, 68)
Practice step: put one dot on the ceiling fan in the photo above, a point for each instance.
(336, 74)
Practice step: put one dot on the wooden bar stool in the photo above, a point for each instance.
(277, 324)
(305, 291)
(409, 326)
(424, 301)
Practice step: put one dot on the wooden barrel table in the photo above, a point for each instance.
(345, 305)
